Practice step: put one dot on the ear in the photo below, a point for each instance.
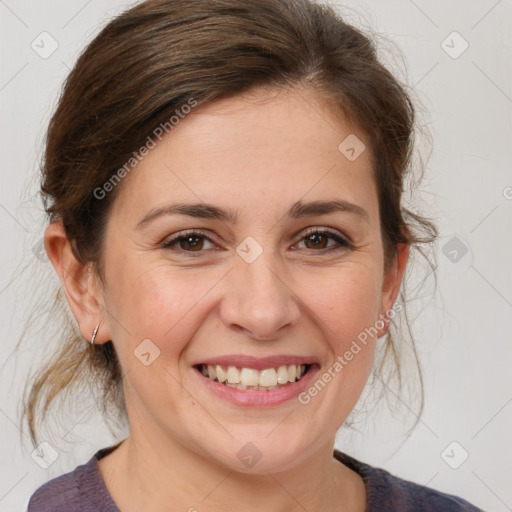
(81, 285)
(391, 284)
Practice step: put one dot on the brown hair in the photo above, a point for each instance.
(148, 62)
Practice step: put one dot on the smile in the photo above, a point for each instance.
(256, 382)
(250, 379)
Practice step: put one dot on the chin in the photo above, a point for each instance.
(252, 452)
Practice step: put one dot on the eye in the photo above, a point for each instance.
(190, 241)
(317, 239)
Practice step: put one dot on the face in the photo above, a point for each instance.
(257, 281)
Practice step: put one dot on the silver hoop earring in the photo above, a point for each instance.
(94, 334)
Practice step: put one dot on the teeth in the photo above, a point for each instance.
(282, 375)
(249, 377)
(252, 379)
(233, 375)
(221, 374)
(268, 377)
(212, 373)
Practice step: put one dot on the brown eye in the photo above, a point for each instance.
(317, 239)
(189, 242)
(193, 243)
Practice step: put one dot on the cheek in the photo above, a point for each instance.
(346, 308)
(345, 302)
(158, 303)
(162, 302)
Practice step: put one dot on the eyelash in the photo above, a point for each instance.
(344, 244)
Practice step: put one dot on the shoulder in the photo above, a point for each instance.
(81, 490)
(386, 491)
(60, 493)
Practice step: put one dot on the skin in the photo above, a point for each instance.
(258, 154)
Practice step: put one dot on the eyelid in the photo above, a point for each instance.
(184, 234)
(329, 231)
(342, 240)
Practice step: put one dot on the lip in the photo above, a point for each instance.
(258, 399)
(258, 363)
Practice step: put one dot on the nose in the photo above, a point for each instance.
(258, 301)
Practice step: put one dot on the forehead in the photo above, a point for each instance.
(261, 150)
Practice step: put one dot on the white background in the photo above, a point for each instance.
(464, 334)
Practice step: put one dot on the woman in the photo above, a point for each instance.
(223, 182)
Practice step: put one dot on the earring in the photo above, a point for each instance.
(94, 334)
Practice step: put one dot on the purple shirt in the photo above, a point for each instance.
(83, 490)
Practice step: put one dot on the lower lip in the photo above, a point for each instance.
(258, 398)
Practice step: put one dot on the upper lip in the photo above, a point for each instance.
(258, 363)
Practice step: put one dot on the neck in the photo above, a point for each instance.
(148, 473)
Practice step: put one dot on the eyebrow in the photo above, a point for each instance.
(209, 211)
